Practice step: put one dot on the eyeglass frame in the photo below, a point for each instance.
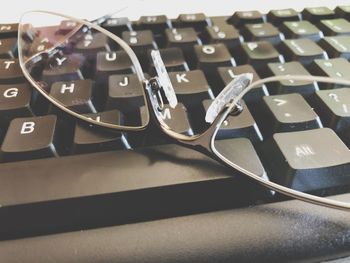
(203, 142)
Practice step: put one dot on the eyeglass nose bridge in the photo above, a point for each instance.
(156, 92)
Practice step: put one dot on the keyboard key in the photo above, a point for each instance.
(335, 27)
(15, 101)
(67, 26)
(117, 25)
(338, 46)
(155, 23)
(10, 71)
(343, 11)
(225, 34)
(62, 68)
(210, 57)
(333, 106)
(303, 50)
(198, 21)
(30, 138)
(258, 54)
(285, 113)
(334, 68)
(301, 29)
(91, 44)
(231, 149)
(140, 40)
(117, 62)
(91, 139)
(183, 38)
(177, 119)
(315, 14)
(305, 88)
(219, 21)
(227, 74)
(173, 59)
(124, 93)
(246, 17)
(8, 48)
(260, 32)
(8, 30)
(304, 162)
(191, 87)
(76, 95)
(241, 125)
(277, 17)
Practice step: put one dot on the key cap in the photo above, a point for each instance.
(91, 139)
(231, 150)
(210, 57)
(30, 138)
(76, 95)
(62, 68)
(198, 21)
(242, 125)
(219, 20)
(183, 38)
(334, 27)
(338, 46)
(285, 113)
(8, 48)
(334, 68)
(309, 163)
(227, 74)
(258, 54)
(241, 18)
(10, 71)
(117, 25)
(303, 50)
(305, 88)
(191, 87)
(91, 44)
(315, 14)
(277, 17)
(260, 32)
(67, 26)
(124, 93)
(301, 29)
(225, 34)
(343, 11)
(333, 106)
(173, 59)
(8, 30)
(177, 119)
(117, 62)
(140, 41)
(15, 101)
(155, 23)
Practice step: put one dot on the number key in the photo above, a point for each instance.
(301, 29)
(259, 32)
(277, 17)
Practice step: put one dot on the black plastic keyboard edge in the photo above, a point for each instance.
(289, 231)
(70, 193)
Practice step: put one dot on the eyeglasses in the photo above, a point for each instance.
(54, 59)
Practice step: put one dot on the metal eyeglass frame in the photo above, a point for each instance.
(204, 142)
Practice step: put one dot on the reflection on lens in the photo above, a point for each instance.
(81, 69)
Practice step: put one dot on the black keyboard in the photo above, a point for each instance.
(140, 198)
